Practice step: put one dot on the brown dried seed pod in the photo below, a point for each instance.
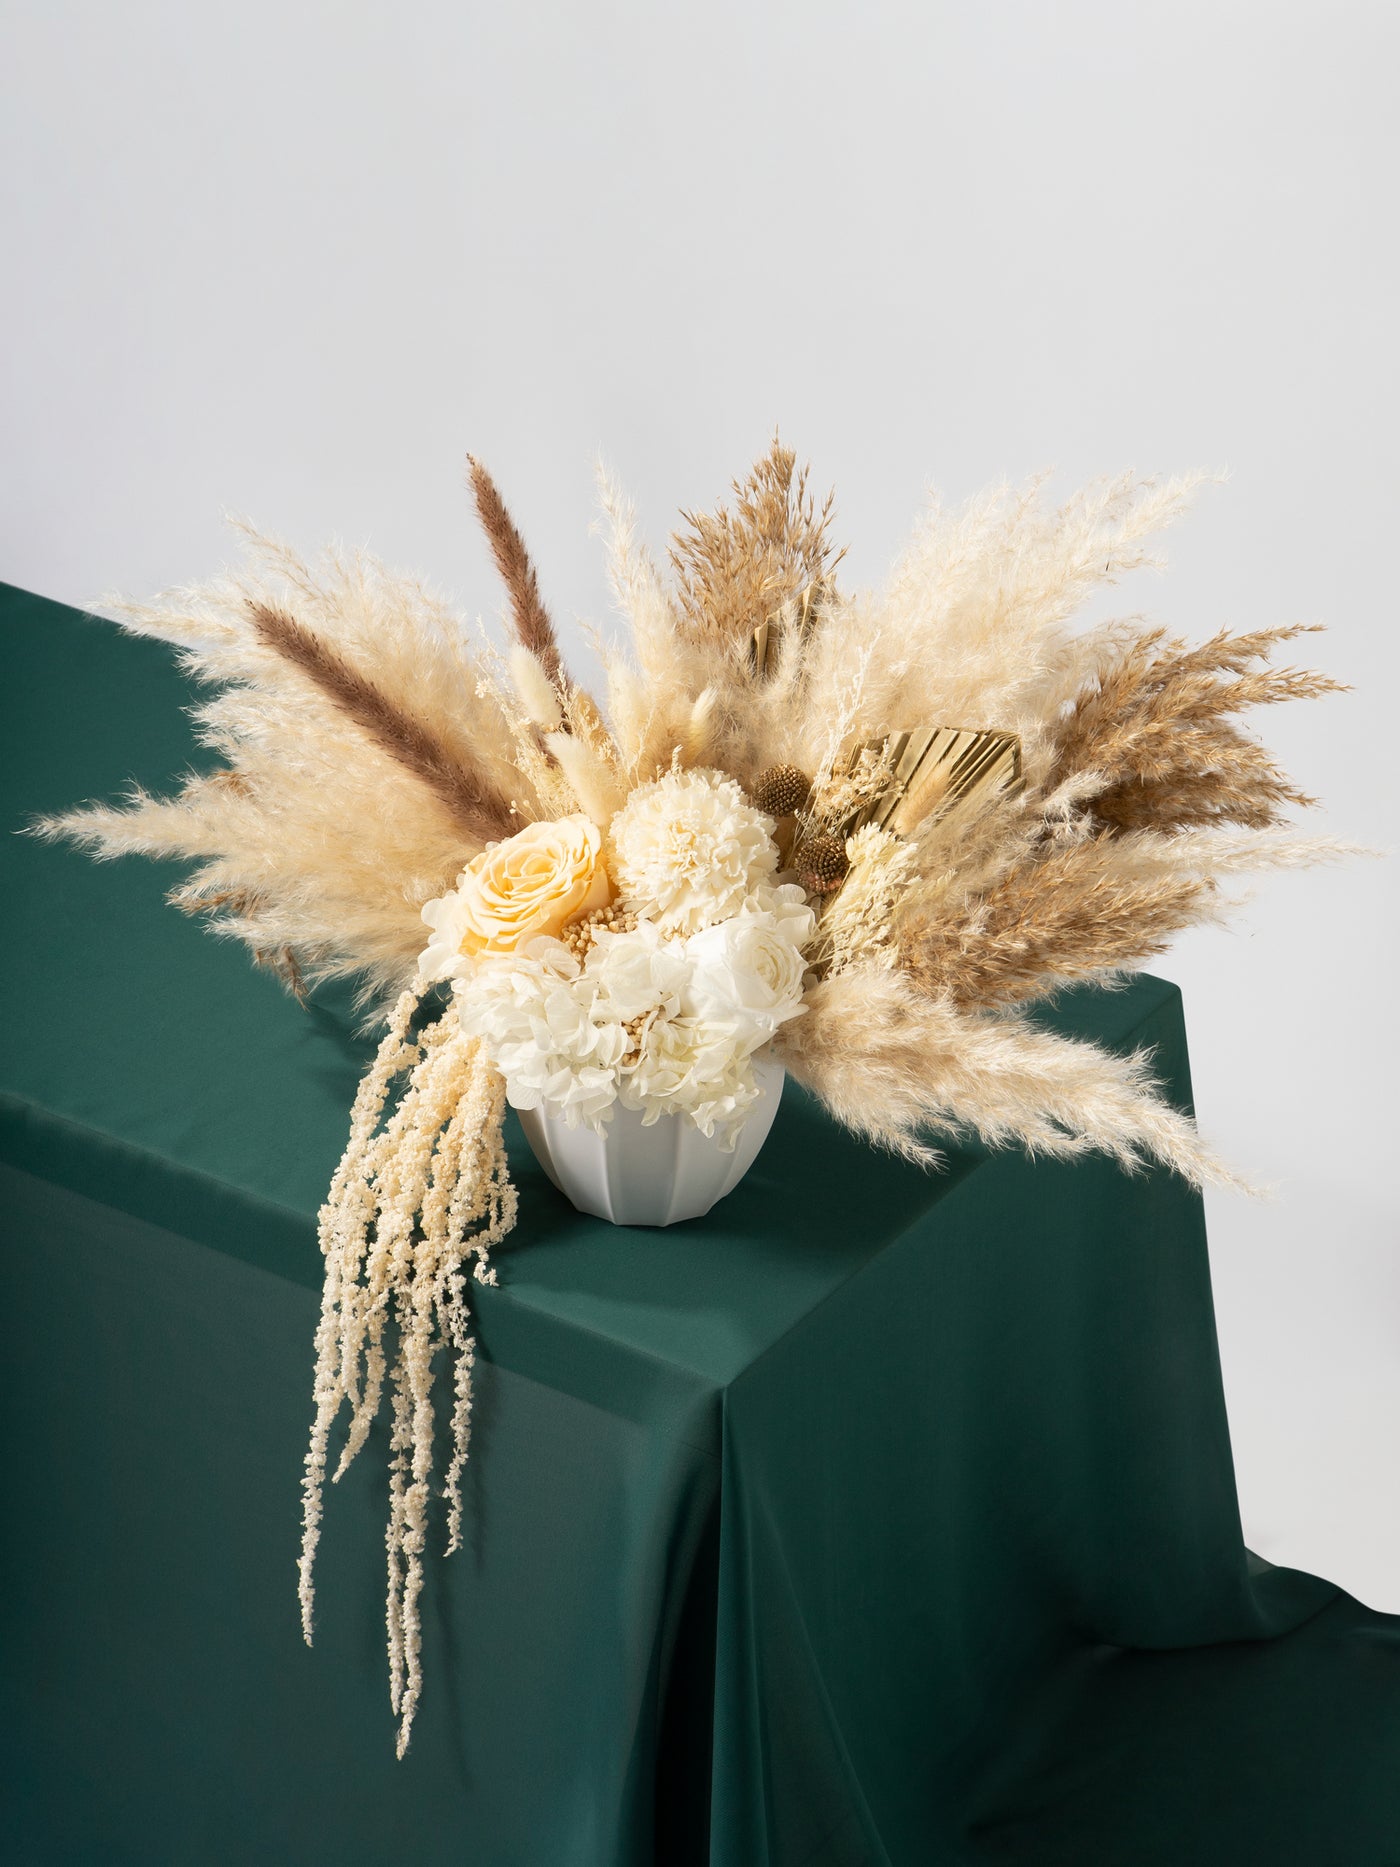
(781, 790)
(822, 864)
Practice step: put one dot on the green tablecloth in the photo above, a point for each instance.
(878, 1518)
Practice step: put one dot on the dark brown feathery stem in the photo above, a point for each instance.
(531, 618)
(474, 802)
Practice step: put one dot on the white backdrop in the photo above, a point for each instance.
(295, 259)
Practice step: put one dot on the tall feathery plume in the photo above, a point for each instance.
(738, 567)
(481, 810)
(1154, 724)
(533, 624)
(755, 587)
(971, 627)
(896, 1065)
(651, 704)
(1070, 915)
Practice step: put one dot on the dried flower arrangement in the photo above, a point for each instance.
(861, 833)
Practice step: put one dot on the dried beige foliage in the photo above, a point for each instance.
(902, 1068)
(1156, 726)
(745, 563)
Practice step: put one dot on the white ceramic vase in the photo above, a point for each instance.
(634, 1175)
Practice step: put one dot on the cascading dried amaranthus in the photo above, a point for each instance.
(416, 1204)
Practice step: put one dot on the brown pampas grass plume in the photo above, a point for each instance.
(534, 627)
(1155, 726)
(742, 564)
(480, 809)
(532, 621)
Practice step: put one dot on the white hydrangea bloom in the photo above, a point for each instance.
(638, 972)
(689, 848)
(693, 1066)
(547, 1029)
(442, 956)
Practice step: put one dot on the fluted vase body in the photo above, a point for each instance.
(632, 1174)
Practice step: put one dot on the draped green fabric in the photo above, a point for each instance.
(879, 1518)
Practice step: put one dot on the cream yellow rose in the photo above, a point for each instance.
(529, 885)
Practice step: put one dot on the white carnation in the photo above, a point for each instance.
(688, 849)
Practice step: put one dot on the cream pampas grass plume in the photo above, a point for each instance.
(365, 757)
(899, 1068)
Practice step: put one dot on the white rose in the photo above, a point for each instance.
(747, 968)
